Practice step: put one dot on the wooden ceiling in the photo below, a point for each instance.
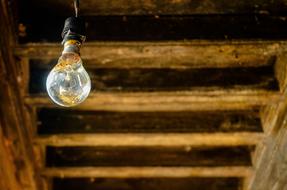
(185, 95)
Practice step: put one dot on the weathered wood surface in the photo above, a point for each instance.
(164, 7)
(148, 183)
(270, 160)
(152, 28)
(147, 172)
(230, 88)
(53, 121)
(166, 79)
(168, 140)
(15, 140)
(169, 101)
(147, 156)
(271, 157)
(177, 54)
(8, 180)
(272, 117)
(281, 71)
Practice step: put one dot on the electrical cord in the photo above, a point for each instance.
(76, 6)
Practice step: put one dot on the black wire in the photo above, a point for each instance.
(76, 6)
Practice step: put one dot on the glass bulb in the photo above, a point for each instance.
(68, 84)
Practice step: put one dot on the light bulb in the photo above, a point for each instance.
(68, 84)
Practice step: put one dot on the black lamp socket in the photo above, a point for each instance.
(74, 29)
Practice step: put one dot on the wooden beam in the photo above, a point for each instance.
(270, 161)
(169, 101)
(148, 172)
(120, 156)
(54, 121)
(139, 139)
(246, 181)
(156, 28)
(14, 124)
(177, 54)
(271, 169)
(164, 7)
(202, 183)
(8, 171)
(281, 71)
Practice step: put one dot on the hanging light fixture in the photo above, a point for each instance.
(68, 84)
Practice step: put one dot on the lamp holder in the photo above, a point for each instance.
(74, 29)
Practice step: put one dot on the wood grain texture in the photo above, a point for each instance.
(147, 172)
(170, 54)
(53, 121)
(205, 183)
(169, 101)
(165, 79)
(158, 28)
(16, 154)
(281, 71)
(271, 162)
(148, 156)
(167, 140)
(8, 169)
(163, 7)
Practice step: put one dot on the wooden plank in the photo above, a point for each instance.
(267, 153)
(177, 54)
(40, 160)
(246, 181)
(8, 172)
(25, 78)
(148, 156)
(157, 28)
(53, 121)
(147, 172)
(272, 117)
(273, 114)
(163, 7)
(167, 140)
(167, 79)
(169, 101)
(17, 148)
(270, 163)
(270, 171)
(196, 183)
(281, 71)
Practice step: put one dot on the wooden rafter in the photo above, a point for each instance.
(147, 172)
(15, 139)
(270, 160)
(201, 139)
(178, 54)
(169, 101)
(166, 7)
(7, 168)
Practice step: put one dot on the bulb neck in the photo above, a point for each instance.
(72, 46)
